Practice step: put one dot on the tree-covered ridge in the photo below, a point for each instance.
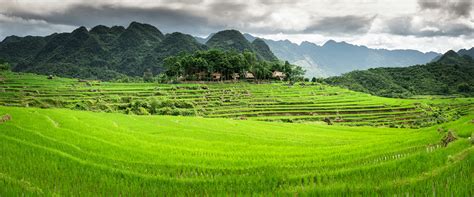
(263, 50)
(105, 52)
(451, 74)
(216, 64)
(234, 40)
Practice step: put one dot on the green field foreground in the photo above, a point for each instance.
(66, 152)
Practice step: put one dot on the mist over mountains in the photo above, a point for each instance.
(334, 58)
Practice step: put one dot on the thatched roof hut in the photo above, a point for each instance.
(235, 76)
(216, 76)
(249, 75)
(278, 75)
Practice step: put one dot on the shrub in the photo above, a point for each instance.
(5, 66)
(36, 103)
(327, 120)
(141, 111)
(104, 107)
(165, 111)
(155, 106)
(148, 76)
(126, 99)
(464, 87)
(80, 106)
(159, 93)
(184, 104)
(187, 112)
(53, 102)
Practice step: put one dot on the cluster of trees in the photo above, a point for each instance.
(202, 64)
(4, 65)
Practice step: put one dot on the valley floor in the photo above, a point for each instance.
(68, 152)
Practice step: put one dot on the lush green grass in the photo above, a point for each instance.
(206, 151)
(269, 102)
(64, 152)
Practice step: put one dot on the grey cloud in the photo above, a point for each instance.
(184, 1)
(216, 16)
(167, 20)
(404, 26)
(276, 2)
(228, 8)
(461, 8)
(429, 4)
(456, 8)
(20, 27)
(201, 17)
(342, 25)
(235, 14)
(436, 18)
(400, 25)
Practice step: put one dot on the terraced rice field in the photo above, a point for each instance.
(268, 102)
(65, 152)
(235, 140)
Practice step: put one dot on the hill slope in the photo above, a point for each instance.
(451, 74)
(102, 52)
(234, 40)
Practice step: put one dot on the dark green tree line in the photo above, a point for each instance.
(202, 64)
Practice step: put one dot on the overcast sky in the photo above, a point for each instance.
(426, 25)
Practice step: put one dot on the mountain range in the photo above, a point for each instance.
(113, 52)
(334, 58)
(468, 52)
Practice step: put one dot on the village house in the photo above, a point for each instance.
(235, 76)
(278, 75)
(216, 76)
(249, 75)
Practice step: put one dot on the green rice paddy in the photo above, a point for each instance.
(237, 141)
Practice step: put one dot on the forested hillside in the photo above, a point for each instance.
(113, 52)
(228, 40)
(451, 74)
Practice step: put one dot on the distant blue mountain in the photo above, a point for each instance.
(335, 58)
